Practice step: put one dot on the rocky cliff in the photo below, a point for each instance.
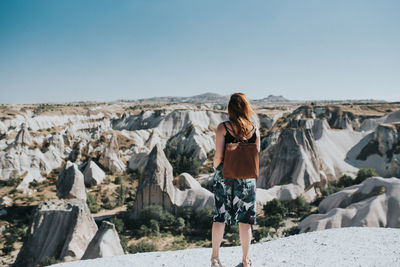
(156, 187)
(60, 229)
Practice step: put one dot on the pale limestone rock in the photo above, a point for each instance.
(294, 159)
(156, 187)
(192, 141)
(60, 229)
(307, 155)
(70, 183)
(170, 123)
(379, 150)
(111, 158)
(105, 243)
(7, 201)
(138, 158)
(372, 123)
(23, 137)
(191, 193)
(373, 203)
(93, 174)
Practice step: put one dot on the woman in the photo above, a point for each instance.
(235, 199)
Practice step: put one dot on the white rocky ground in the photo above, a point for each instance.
(351, 246)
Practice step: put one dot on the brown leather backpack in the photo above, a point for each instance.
(241, 159)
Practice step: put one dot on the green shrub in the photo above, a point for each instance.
(122, 190)
(260, 233)
(345, 181)
(142, 246)
(298, 207)
(119, 224)
(363, 174)
(262, 221)
(34, 183)
(118, 180)
(179, 244)
(49, 261)
(329, 189)
(274, 207)
(178, 225)
(143, 230)
(294, 230)
(107, 180)
(182, 161)
(7, 248)
(91, 201)
(234, 237)
(275, 221)
(109, 203)
(124, 242)
(187, 213)
(154, 227)
(203, 219)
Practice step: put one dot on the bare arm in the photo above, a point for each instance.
(219, 145)
(258, 142)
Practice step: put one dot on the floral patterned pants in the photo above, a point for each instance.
(234, 199)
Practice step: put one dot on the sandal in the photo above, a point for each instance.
(248, 262)
(215, 262)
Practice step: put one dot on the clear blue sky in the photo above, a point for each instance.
(105, 50)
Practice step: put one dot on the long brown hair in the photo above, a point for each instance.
(240, 113)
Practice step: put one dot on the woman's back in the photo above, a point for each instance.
(229, 138)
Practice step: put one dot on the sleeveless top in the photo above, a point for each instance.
(229, 138)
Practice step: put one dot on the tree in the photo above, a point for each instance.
(363, 174)
(345, 181)
(91, 201)
(275, 221)
(275, 207)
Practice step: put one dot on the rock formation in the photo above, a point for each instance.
(111, 158)
(156, 187)
(307, 155)
(379, 150)
(105, 243)
(374, 203)
(70, 183)
(92, 173)
(23, 137)
(60, 229)
(192, 141)
(170, 123)
(138, 159)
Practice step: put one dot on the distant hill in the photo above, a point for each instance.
(202, 98)
(273, 99)
(209, 98)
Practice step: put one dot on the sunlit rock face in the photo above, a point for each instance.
(70, 183)
(379, 150)
(105, 243)
(156, 187)
(25, 159)
(374, 203)
(93, 174)
(307, 155)
(111, 156)
(60, 229)
(23, 137)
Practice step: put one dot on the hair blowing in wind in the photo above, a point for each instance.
(240, 113)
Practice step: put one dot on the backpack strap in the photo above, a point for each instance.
(235, 136)
(225, 126)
